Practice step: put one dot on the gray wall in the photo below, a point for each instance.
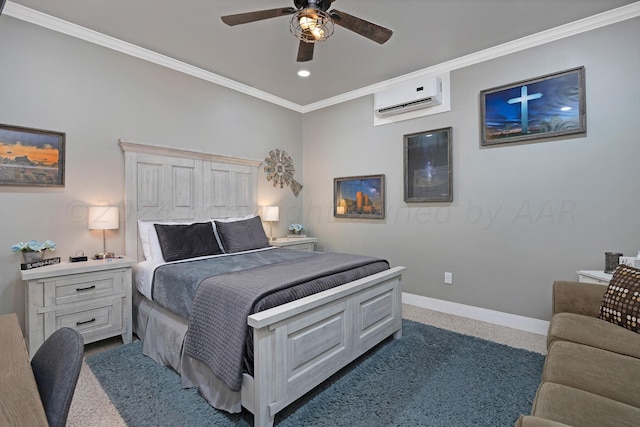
(522, 215)
(95, 95)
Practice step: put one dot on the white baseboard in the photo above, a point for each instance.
(514, 321)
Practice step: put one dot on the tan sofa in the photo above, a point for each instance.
(591, 375)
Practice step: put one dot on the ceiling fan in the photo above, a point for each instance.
(312, 23)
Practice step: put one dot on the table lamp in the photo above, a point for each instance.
(271, 214)
(103, 218)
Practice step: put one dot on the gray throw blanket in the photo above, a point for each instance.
(218, 324)
(175, 284)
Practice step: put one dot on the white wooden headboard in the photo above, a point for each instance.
(170, 184)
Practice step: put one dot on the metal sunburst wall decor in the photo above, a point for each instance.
(279, 169)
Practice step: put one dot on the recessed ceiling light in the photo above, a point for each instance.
(304, 73)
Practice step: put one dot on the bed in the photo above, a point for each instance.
(293, 346)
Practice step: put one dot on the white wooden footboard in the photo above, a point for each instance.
(300, 344)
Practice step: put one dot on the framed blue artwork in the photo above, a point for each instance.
(428, 168)
(359, 197)
(549, 106)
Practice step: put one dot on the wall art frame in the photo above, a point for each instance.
(428, 166)
(545, 107)
(31, 157)
(359, 197)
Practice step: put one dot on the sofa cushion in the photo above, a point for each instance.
(591, 369)
(621, 303)
(593, 332)
(576, 407)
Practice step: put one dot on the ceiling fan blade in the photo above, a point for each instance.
(243, 18)
(365, 28)
(305, 51)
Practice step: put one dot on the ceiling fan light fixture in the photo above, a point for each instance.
(308, 22)
(311, 25)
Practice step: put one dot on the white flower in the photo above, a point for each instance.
(33, 246)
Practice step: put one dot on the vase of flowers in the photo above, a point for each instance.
(33, 251)
(296, 229)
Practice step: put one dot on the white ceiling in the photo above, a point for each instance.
(262, 54)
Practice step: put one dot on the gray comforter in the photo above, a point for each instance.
(218, 330)
(175, 284)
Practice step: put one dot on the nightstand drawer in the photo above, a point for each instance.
(101, 318)
(92, 320)
(81, 287)
(296, 243)
(302, 247)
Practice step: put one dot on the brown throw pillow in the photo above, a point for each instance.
(621, 303)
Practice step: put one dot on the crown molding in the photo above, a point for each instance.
(577, 27)
(47, 21)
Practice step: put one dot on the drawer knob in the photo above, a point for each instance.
(88, 288)
(85, 322)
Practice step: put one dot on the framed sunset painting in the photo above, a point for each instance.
(31, 157)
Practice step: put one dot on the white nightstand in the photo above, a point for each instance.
(93, 297)
(297, 243)
(594, 276)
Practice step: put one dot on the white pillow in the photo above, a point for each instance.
(149, 238)
(143, 232)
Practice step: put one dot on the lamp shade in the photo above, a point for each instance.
(271, 213)
(103, 217)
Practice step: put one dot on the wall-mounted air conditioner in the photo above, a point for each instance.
(414, 95)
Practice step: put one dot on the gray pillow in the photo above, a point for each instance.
(182, 241)
(238, 236)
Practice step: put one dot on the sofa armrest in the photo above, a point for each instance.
(531, 421)
(577, 297)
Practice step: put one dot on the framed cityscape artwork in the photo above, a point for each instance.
(31, 157)
(359, 197)
(546, 107)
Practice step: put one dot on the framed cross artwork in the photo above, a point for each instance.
(546, 107)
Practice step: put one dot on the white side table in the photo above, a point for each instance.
(93, 297)
(594, 276)
(297, 243)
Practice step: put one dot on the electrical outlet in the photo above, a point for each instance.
(448, 278)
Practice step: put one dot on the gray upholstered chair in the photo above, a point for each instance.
(56, 366)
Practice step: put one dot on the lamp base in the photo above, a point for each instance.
(104, 255)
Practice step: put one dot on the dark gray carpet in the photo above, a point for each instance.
(430, 377)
